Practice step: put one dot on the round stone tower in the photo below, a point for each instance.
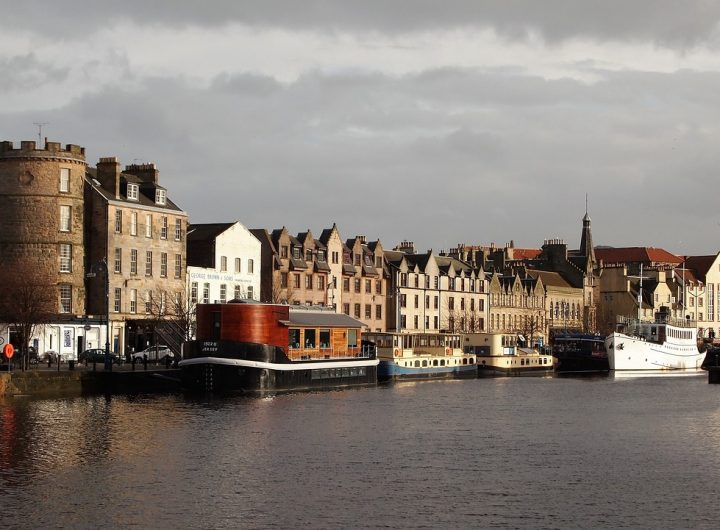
(42, 210)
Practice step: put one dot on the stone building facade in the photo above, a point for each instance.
(42, 229)
(133, 224)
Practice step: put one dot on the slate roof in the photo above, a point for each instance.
(700, 265)
(143, 200)
(206, 231)
(549, 279)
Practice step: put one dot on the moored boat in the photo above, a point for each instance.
(259, 348)
(499, 354)
(421, 356)
(579, 353)
(664, 344)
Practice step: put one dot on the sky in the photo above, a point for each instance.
(441, 123)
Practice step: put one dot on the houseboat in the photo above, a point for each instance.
(259, 348)
(664, 344)
(421, 356)
(499, 354)
(579, 353)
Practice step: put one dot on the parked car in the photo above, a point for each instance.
(96, 355)
(154, 353)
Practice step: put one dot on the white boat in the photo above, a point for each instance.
(663, 344)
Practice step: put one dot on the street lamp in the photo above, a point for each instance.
(102, 264)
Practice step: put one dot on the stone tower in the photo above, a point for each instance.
(41, 204)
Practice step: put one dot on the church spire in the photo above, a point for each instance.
(586, 242)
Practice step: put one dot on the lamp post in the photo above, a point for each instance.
(103, 264)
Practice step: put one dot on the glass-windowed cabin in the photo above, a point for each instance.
(421, 355)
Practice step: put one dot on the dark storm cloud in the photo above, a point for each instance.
(667, 22)
(440, 157)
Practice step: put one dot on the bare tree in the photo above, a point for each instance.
(27, 300)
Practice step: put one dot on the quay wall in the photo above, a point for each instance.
(73, 383)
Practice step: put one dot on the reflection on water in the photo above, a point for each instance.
(522, 453)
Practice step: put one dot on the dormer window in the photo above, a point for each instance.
(321, 255)
(160, 196)
(296, 252)
(132, 192)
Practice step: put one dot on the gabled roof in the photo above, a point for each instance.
(636, 255)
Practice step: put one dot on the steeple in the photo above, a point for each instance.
(586, 242)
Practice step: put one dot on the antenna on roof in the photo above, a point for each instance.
(39, 125)
(586, 204)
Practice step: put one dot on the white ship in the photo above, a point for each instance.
(663, 344)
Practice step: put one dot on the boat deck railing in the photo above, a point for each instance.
(632, 322)
(320, 353)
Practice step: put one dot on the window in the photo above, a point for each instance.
(160, 196)
(296, 252)
(346, 285)
(296, 281)
(206, 293)
(148, 302)
(357, 285)
(368, 286)
(163, 264)
(403, 300)
(250, 292)
(336, 258)
(283, 280)
(117, 300)
(403, 279)
(148, 225)
(308, 282)
(163, 227)
(64, 179)
(308, 254)
(178, 229)
(357, 311)
(65, 252)
(65, 292)
(118, 260)
(193, 293)
(223, 293)
(368, 311)
(378, 287)
(378, 312)
(133, 261)
(321, 255)
(148, 263)
(133, 224)
(284, 252)
(238, 292)
(65, 214)
(321, 282)
(238, 265)
(133, 301)
(132, 191)
(118, 221)
(346, 309)
(178, 266)
(357, 260)
(223, 263)
(417, 301)
(251, 266)
(451, 303)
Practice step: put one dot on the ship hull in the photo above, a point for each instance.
(391, 371)
(223, 375)
(632, 353)
(514, 365)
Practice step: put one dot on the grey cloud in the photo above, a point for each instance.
(439, 157)
(22, 72)
(666, 22)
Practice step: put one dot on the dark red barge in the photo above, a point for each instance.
(260, 348)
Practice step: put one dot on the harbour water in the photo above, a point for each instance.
(488, 453)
